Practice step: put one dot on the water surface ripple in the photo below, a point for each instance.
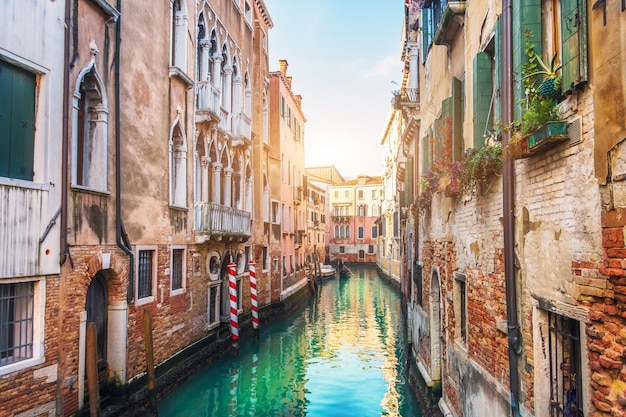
(341, 354)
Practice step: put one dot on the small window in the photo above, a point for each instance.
(460, 307)
(16, 322)
(342, 249)
(214, 308)
(178, 270)
(275, 212)
(265, 259)
(361, 232)
(361, 195)
(336, 231)
(374, 232)
(370, 249)
(565, 366)
(361, 254)
(347, 193)
(145, 276)
(362, 211)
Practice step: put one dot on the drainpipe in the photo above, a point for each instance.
(508, 194)
(66, 132)
(122, 238)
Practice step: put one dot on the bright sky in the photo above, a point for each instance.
(343, 56)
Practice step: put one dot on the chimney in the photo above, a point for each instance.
(283, 66)
(289, 80)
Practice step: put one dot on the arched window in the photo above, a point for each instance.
(362, 210)
(178, 166)
(178, 53)
(347, 231)
(336, 231)
(342, 232)
(89, 135)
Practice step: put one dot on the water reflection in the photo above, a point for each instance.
(343, 354)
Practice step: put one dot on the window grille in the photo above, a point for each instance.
(177, 268)
(16, 322)
(565, 366)
(144, 285)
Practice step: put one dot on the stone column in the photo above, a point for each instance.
(216, 79)
(217, 182)
(228, 178)
(205, 69)
(227, 90)
(413, 66)
(180, 175)
(204, 180)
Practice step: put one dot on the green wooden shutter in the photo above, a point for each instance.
(498, 70)
(427, 31)
(574, 38)
(17, 121)
(456, 112)
(482, 96)
(526, 16)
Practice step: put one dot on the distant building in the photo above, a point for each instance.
(287, 182)
(354, 208)
(320, 180)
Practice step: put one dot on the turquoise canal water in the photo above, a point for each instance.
(342, 354)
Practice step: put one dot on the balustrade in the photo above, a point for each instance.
(214, 218)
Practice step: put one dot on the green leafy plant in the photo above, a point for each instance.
(542, 84)
(478, 168)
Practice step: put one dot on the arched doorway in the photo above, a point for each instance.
(435, 326)
(97, 306)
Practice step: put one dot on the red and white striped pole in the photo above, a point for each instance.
(232, 283)
(253, 294)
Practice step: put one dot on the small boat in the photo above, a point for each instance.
(345, 272)
(326, 272)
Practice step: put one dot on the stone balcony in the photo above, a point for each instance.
(221, 223)
(208, 101)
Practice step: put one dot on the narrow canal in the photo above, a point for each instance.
(342, 354)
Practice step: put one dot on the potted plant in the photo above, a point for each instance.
(541, 123)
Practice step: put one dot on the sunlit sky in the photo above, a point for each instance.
(344, 56)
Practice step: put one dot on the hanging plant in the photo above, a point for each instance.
(478, 168)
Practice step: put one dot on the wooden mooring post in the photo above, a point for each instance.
(147, 330)
(92, 370)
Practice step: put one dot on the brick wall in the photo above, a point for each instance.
(606, 335)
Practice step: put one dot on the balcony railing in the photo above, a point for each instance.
(242, 126)
(208, 97)
(216, 220)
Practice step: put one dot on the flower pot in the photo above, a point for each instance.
(547, 135)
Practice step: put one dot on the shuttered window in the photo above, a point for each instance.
(456, 112)
(574, 43)
(17, 121)
(482, 89)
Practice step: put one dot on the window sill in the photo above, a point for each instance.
(179, 208)
(17, 366)
(13, 182)
(90, 190)
(143, 301)
(180, 291)
(176, 72)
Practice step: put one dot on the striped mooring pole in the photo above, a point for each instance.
(232, 283)
(253, 294)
